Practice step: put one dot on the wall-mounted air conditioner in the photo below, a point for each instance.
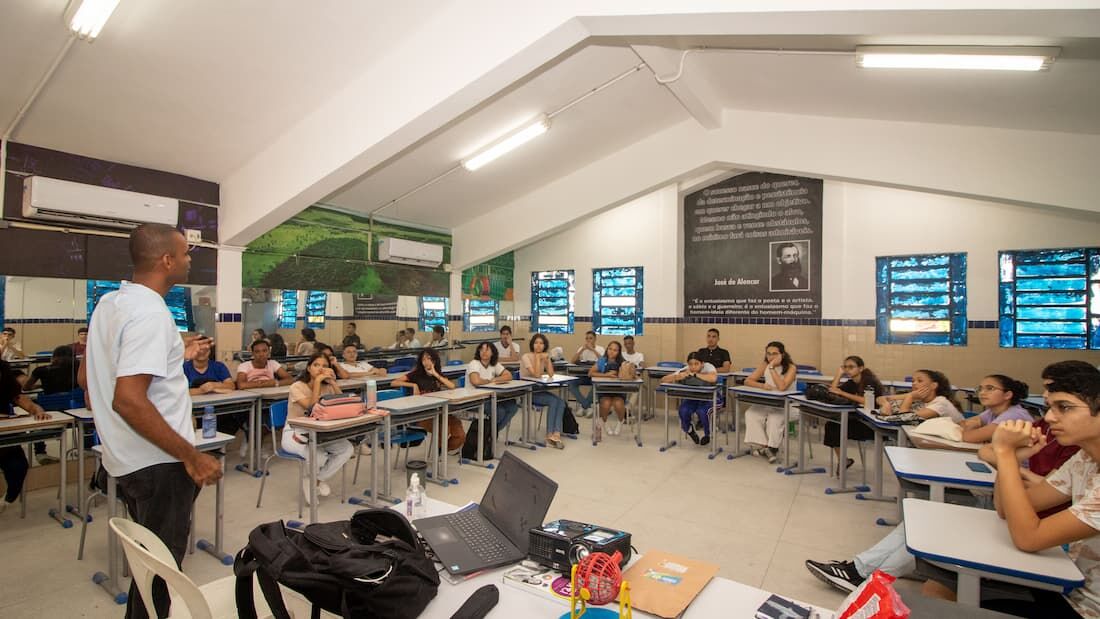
(410, 252)
(76, 203)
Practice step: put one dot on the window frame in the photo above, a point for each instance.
(537, 313)
(887, 311)
(316, 306)
(598, 294)
(1009, 298)
(467, 313)
(423, 322)
(290, 322)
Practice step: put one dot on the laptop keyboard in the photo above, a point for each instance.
(477, 535)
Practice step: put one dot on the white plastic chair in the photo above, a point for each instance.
(149, 557)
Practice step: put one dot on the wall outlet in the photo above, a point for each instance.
(193, 236)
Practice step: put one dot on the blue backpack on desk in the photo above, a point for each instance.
(370, 566)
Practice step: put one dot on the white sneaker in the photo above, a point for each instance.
(615, 427)
(323, 489)
(586, 412)
(244, 448)
(364, 449)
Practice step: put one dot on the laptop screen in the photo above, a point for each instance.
(517, 499)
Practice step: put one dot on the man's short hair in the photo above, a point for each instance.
(1056, 371)
(350, 345)
(82, 330)
(351, 324)
(439, 329)
(592, 333)
(714, 331)
(256, 343)
(9, 330)
(149, 242)
(1084, 385)
(779, 249)
(506, 328)
(628, 337)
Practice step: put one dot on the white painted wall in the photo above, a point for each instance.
(44, 297)
(642, 232)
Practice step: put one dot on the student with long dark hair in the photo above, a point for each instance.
(612, 364)
(308, 343)
(1001, 396)
(764, 429)
(536, 364)
(931, 396)
(860, 379)
(484, 369)
(278, 346)
(315, 382)
(425, 378)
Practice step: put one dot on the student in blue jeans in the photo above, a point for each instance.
(699, 374)
(535, 365)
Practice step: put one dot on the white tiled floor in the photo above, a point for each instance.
(758, 525)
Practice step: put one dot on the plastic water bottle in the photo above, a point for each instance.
(868, 400)
(209, 422)
(414, 499)
(372, 393)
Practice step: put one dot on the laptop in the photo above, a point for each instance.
(496, 533)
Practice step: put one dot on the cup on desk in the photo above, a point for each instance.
(545, 377)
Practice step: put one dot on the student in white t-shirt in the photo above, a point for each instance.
(507, 350)
(138, 394)
(590, 352)
(931, 396)
(697, 373)
(356, 368)
(261, 370)
(635, 357)
(1074, 419)
(410, 339)
(439, 337)
(484, 368)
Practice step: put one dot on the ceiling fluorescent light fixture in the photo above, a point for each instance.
(90, 18)
(980, 58)
(508, 144)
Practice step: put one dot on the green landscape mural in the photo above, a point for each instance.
(492, 279)
(323, 249)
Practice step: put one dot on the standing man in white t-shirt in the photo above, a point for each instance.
(507, 350)
(140, 401)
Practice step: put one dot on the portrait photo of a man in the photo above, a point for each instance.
(790, 265)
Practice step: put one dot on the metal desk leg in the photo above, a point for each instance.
(876, 490)
(787, 438)
(76, 509)
(968, 589)
(58, 513)
(668, 443)
(843, 470)
(638, 416)
(715, 449)
(738, 450)
(436, 473)
(312, 476)
(257, 423)
(800, 467)
(109, 581)
(215, 549)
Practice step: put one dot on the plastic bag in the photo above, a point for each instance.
(874, 599)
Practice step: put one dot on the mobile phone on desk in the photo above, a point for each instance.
(979, 467)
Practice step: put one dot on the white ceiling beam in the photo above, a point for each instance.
(694, 93)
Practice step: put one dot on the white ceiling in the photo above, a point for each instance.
(195, 87)
(200, 87)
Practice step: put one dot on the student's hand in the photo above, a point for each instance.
(1014, 434)
(836, 391)
(39, 414)
(203, 468)
(1031, 479)
(195, 344)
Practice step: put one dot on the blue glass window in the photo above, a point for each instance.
(1050, 298)
(433, 311)
(288, 310)
(617, 301)
(921, 299)
(552, 301)
(316, 301)
(480, 315)
(178, 301)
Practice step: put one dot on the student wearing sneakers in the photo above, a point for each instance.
(315, 382)
(714, 354)
(356, 368)
(890, 554)
(764, 429)
(697, 373)
(859, 379)
(485, 368)
(612, 365)
(507, 350)
(589, 353)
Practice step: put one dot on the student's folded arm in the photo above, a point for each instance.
(244, 383)
(756, 378)
(980, 434)
(476, 380)
(708, 377)
(1032, 534)
(282, 377)
(788, 379)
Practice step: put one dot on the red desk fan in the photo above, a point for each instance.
(597, 580)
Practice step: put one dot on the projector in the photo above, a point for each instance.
(562, 543)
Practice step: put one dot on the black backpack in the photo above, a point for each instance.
(370, 566)
(469, 448)
(821, 393)
(569, 423)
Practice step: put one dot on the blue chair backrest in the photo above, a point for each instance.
(278, 414)
(409, 361)
(460, 382)
(455, 362)
(908, 378)
(807, 369)
(748, 369)
(57, 401)
(390, 394)
(670, 364)
(515, 374)
(398, 369)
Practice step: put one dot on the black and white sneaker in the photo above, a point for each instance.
(693, 435)
(840, 574)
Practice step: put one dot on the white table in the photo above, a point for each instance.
(24, 429)
(602, 385)
(825, 412)
(976, 544)
(234, 402)
(701, 393)
(561, 381)
(925, 441)
(939, 469)
(465, 399)
(881, 429)
(516, 390)
(764, 397)
(407, 410)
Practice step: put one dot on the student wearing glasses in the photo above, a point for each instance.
(859, 379)
(1001, 396)
(764, 429)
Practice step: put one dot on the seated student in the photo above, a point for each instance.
(714, 354)
(536, 364)
(890, 554)
(207, 375)
(425, 378)
(699, 373)
(860, 378)
(588, 353)
(57, 377)
(507, 350)
(399, 341)
(612, 365)
(1000, 396)
(356, 368)
(351, 338)
(261, 371)
(410, 339)
(307, 346)
(316, 381)
(81, 343)
(485, 368)
(278, 346)
(333, 362)
(637, 359)
(9, 348)
(439, 339)
(13, 459)
(1074, 418)
(764, 425)
(931, 396)
(258, 334)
